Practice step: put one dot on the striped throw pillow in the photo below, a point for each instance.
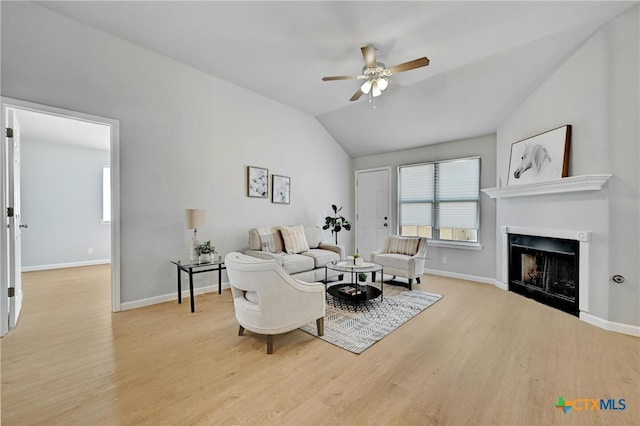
(403, 245)
(295, 240)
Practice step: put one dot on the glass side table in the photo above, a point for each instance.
(197, 267)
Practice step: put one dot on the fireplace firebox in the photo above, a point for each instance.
(545, 269)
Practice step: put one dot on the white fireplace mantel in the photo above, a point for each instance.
(568, 184)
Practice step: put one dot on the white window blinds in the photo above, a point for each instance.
(417, 194)
(458, 193)
(443, 194)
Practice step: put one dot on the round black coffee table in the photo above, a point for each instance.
(351, 290)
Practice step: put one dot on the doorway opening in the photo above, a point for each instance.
(63, 159)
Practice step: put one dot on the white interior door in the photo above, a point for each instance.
(373, 222)
(15, 224)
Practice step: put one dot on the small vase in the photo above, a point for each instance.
(205, 257)
(358, 261)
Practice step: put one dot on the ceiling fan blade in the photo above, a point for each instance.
(416, 63)
(369, 54)
(356, 95)
(344, 77)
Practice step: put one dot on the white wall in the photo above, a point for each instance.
(61, 201)
(185, 140)
(476, 264)
(596, 91)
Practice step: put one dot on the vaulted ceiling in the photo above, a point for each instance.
(486, 57)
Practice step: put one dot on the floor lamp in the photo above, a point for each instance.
(194, 219)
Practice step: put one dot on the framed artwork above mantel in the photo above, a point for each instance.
(540, 158)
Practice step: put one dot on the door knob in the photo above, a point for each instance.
(385, 224)
(24, 225)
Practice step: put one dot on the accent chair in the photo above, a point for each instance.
(267, 300)
(402, 256)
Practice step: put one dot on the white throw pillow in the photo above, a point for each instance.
(295, 240)
(314, 236)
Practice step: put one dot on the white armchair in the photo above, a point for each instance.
(269, 301)
(402, 256)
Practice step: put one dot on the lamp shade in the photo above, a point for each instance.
(195, 218)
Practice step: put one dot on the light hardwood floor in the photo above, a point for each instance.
(478, 356)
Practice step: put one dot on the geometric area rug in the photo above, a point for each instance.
(357, 327)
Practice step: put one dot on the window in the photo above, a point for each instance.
(440, 200)
(106, 194)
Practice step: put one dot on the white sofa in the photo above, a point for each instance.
(268, 301)
(302, 256)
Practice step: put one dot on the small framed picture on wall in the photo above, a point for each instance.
(257, 182)
(280, 189)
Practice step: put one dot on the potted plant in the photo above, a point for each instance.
(336, 223)
(357, 260)
(205, 251)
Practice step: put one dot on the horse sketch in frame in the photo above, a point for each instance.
(540, 158)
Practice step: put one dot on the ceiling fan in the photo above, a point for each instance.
(375, 73)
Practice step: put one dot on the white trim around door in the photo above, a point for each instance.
(114, 125)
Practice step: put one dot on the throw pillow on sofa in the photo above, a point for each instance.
(269, 241)
(403, 245)
(314, 236)
(295, 240)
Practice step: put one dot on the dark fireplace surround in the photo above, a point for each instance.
(545, 269)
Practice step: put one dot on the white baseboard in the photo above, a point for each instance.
(632, 330)
(171, 296)
(501, 285)
(65, 265)
(475, 278)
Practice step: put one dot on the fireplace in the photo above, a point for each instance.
(545, 269)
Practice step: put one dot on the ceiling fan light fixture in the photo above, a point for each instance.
(375, 73)
(366, 86)
(375, 89)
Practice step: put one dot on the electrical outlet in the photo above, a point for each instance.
(90, 251)
(444, 260)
